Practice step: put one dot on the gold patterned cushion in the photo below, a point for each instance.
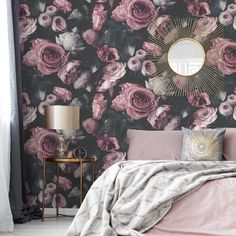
(202, 145)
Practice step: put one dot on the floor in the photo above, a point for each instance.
(50, 227)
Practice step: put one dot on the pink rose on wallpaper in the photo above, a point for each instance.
(27, 26)
(44, 143)
(51, 10)
(107, 143)
(225, 18)
(67, 168)
(231, 8)
(29, 115)
(152, 48)
(82, 80)
(47, 197)
(63, 183)
(112, 158)
(99, 16)
(24, 11)
(231, 99)
(62, 93)
(159, 118)
(91, 126)
(90, 37)
(134, 64)
(69, 72)
(141, 54)
(51, 188)
(223, 54)
(198, 99)
(199, 9)
(225, 109)
(174, 123)
(63, 5)
(50, 99)
(44, 20)
(60, 200)
(107, 54)
(99, 105)
(30, 200)
(48, 57)
(148, 68)
(137, 101)
(204, 117)
(59, 24)
(138, 13)
(25, 98)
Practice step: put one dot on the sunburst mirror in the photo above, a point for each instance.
(182, 65)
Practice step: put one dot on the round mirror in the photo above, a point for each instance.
(186, 57)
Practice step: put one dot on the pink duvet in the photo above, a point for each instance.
(209, 211)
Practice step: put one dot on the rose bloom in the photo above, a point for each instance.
(159, 118)
(148, 68)
(91, 126)
(30, 200)
(174, 123)
(98, 16)
(25, 98)
(114, 71)
(59, 200)
(99, 105)
(70, 41)
(199, 9)
(68, 168)
(62, 93)
(225, 18)
(107, 54)
(51, 188)
(198, 99)
(234, 113)
(224, 51)
(63, 183)
(231, 99)
(141, 54)
(27, 26)
(231, 8)
(152, 49)
(82, 80)
(134, 64)
(112, 158)
(204, 117)
(139, 13)
(51, 98)
(63, 5)
(59, 24)
(137, 101)
(205, 26)
(44, 143)
(91, 37)
(47, 197)
(108, 144)
(69, 72)
(44, 20)
(51, 10)
(225, 109)
(48, 57)
(29, 115)
(24, 11)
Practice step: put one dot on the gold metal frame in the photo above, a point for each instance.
(190, 39)
(68, 161)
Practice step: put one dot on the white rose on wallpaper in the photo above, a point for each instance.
(71, 41)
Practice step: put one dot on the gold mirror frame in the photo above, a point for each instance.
(165, 81)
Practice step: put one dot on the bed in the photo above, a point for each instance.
(161, 195)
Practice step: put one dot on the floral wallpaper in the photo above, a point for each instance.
(94, 53)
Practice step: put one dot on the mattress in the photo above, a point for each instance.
(208, 211)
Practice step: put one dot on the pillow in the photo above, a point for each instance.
(154, 145)
(202, 145)
(229, 151)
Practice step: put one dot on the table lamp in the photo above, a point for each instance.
(59, 117)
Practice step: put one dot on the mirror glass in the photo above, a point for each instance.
(186, 57)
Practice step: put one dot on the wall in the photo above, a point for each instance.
(79, 52)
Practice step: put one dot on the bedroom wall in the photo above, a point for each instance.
(79, 52)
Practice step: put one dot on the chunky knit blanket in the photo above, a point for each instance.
(132, 196)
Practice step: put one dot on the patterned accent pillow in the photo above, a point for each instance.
(202, 145)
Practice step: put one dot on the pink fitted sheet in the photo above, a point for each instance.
(208, 211)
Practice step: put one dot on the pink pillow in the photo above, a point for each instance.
(229, 150)
(154, 145)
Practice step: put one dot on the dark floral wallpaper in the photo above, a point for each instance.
(94, 53)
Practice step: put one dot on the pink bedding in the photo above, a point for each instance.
(209, 211)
